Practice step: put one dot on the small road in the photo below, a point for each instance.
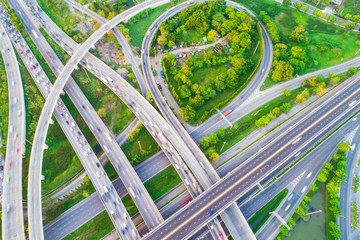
(12, 206)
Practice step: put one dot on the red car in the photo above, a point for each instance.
(187, 201)
(349, 63)
(221, 236)
(9, 164)
(17, 150)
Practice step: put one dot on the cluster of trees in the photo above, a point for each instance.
(213, 18)
(270, 27)
(274, 113)
(208, 143)
(108, 9)
(333, 173)
(301, 7)
(209, 19)
(355, 18)
(286, 62)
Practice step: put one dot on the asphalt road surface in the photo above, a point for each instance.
(12, 207)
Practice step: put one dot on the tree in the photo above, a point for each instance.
(284, 231)
(298, 34)
(231, 78)
(214, 157)
(101, 112)
(291, 222)
(213, 138)
(282, 71)
(287, 92)
(204, 142)
(211, 35)
(220, 133)
(263, 121)
(285, 107)
(344, 146)
(131, 76)
(322, 177)
(187, 113)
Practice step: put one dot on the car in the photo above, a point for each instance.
(97, 164)
(8, 208)
(210, 213)
(9, 165)
(31, 68)
(350, 63)
(187, 201)
(17, 150)
(221, 236)
(7, 179)
(15, 136)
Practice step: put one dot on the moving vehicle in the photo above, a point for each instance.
(7, 179)
(17, 150)
(221, 236)
(287, 207)
(9, 164)
(162, 74)
(210, 213)
(226, 113)
(187, 201)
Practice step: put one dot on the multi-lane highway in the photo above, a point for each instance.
(78, 142)
(302, 135)
(12, 207)
(123, 167)
(297, 85)
(232, 217)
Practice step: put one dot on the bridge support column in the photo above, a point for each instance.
(237, 224)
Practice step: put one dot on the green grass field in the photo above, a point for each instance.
(132, 149)
(138, 29)
(4, 108)
(352, 7)
(191, 36)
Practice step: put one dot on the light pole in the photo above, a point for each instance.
(139, 145)
(222, 146)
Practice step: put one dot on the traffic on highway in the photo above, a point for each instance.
(213, 200)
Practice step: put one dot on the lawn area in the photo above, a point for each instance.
(246, 125)
(101, 225)
(191, 36)
(263, 215)
(327, 44)
(163, 182)
(351, 7)
(138, 29)
(96, 228)
(4, 108)
(132, 148)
